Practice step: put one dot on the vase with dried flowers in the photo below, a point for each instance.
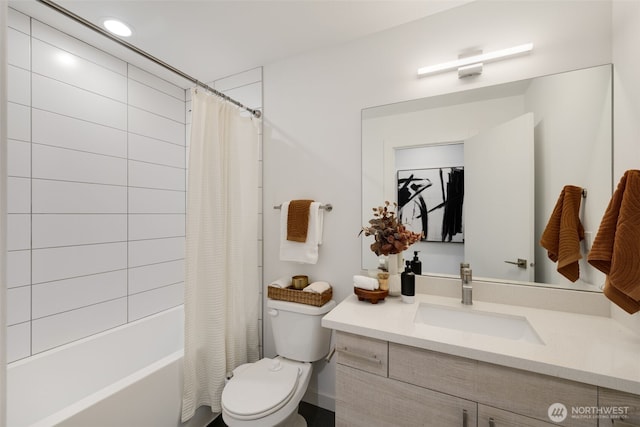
(391, 238)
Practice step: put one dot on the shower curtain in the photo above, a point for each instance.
(221, 266)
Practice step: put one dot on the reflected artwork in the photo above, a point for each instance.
(431, 201)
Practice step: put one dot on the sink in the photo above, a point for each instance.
(515, 328)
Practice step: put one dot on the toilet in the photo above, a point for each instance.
(267, 393)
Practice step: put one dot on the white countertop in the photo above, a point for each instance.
(590, 349)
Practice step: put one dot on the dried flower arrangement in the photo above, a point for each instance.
(391, 237)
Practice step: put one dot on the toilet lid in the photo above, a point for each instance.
(262, 388)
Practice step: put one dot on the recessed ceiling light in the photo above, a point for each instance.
(118, 28)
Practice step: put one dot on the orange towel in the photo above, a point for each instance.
(561, 238)
(616, 248)
(298, 220)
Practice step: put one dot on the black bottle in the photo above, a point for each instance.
(416, 264)
(408, 284)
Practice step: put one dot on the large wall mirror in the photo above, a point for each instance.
(514, 146)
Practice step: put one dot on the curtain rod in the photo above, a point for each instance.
(79, 19)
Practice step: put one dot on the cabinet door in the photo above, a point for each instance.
(620, 406)
(493, 417)
(369, 400)
(514, 390)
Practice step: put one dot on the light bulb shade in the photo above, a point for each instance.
(116, 27)
(469, 60)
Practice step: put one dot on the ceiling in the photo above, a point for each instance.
(211, 39)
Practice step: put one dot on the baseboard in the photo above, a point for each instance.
(321, 400)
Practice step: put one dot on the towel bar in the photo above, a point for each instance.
(328, 207)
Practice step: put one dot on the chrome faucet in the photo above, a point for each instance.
(467, 289)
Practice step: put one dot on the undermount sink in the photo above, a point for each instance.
(466, 319)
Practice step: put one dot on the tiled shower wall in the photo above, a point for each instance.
(96, 190)
(96, 184)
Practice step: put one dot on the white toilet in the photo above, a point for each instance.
(267, 393)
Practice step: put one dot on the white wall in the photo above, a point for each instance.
(626, 105)
(3, 209)
(312, 107)
(586, 143)
(96, 190)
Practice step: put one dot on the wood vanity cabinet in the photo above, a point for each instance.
(409, 386)
(630, 403)
(367, 397)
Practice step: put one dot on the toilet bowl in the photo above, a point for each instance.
(267, 393)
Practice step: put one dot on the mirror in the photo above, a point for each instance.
(571, 134)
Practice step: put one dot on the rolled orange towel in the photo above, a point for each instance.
(561, 238)
(616, 248)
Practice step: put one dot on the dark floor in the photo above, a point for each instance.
(316, 417)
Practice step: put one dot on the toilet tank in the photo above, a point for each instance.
(297, 329)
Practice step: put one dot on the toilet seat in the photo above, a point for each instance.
(260, 389)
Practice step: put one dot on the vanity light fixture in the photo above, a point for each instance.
(117, 27)
(470, 65)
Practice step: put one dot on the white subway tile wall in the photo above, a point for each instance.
(97, 186)
(76, 193)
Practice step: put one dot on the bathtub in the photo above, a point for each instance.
(130, 376)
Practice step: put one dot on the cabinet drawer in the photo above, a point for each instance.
(513, 390)
(493, 417)
(369, 400)
(619, 401)
(364, 353)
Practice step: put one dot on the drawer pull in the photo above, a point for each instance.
(465, 418)
(492, 422)
(372, 359)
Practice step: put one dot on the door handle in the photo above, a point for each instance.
(521, 263)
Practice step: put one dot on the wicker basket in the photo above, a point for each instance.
(295, 295)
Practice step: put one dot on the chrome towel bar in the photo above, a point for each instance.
(328, 207)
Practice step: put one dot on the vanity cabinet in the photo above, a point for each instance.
(519, 392)
(366, 400)
(624, 402)
(489, 416)
(414, 387)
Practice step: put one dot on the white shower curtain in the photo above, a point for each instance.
(221, 267)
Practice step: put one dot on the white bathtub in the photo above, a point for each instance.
(130, 376)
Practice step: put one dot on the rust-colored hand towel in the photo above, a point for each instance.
(298, 220)
(616, 248)
(561, 238)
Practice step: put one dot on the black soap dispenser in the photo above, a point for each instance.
(408, 284)
(416, 264)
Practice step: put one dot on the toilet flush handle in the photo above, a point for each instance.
(273, 313)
